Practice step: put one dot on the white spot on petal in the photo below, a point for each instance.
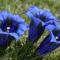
(57, 38)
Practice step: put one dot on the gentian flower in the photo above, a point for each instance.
(50, 43)
(40, 19)
(12, 27)
(36, 27)
(45, 16)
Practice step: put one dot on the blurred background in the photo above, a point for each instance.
(20, 7)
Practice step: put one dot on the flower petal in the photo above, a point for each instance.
(34, 10)
(23, 27)
(1, 17)
(14, 35)
(18, 19)
(20, 32)
(35, 20)
(4, 14)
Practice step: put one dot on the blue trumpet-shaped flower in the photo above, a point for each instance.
(11, 27)
(36, 27)
(44, 16)
(40, 19)
(50, 43)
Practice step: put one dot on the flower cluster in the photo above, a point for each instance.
(42, 19)
(12, 27)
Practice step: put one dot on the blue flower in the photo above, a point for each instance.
(44, 16)
(50, 43)
(40, 19)
(36, 27)
(11, 27)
